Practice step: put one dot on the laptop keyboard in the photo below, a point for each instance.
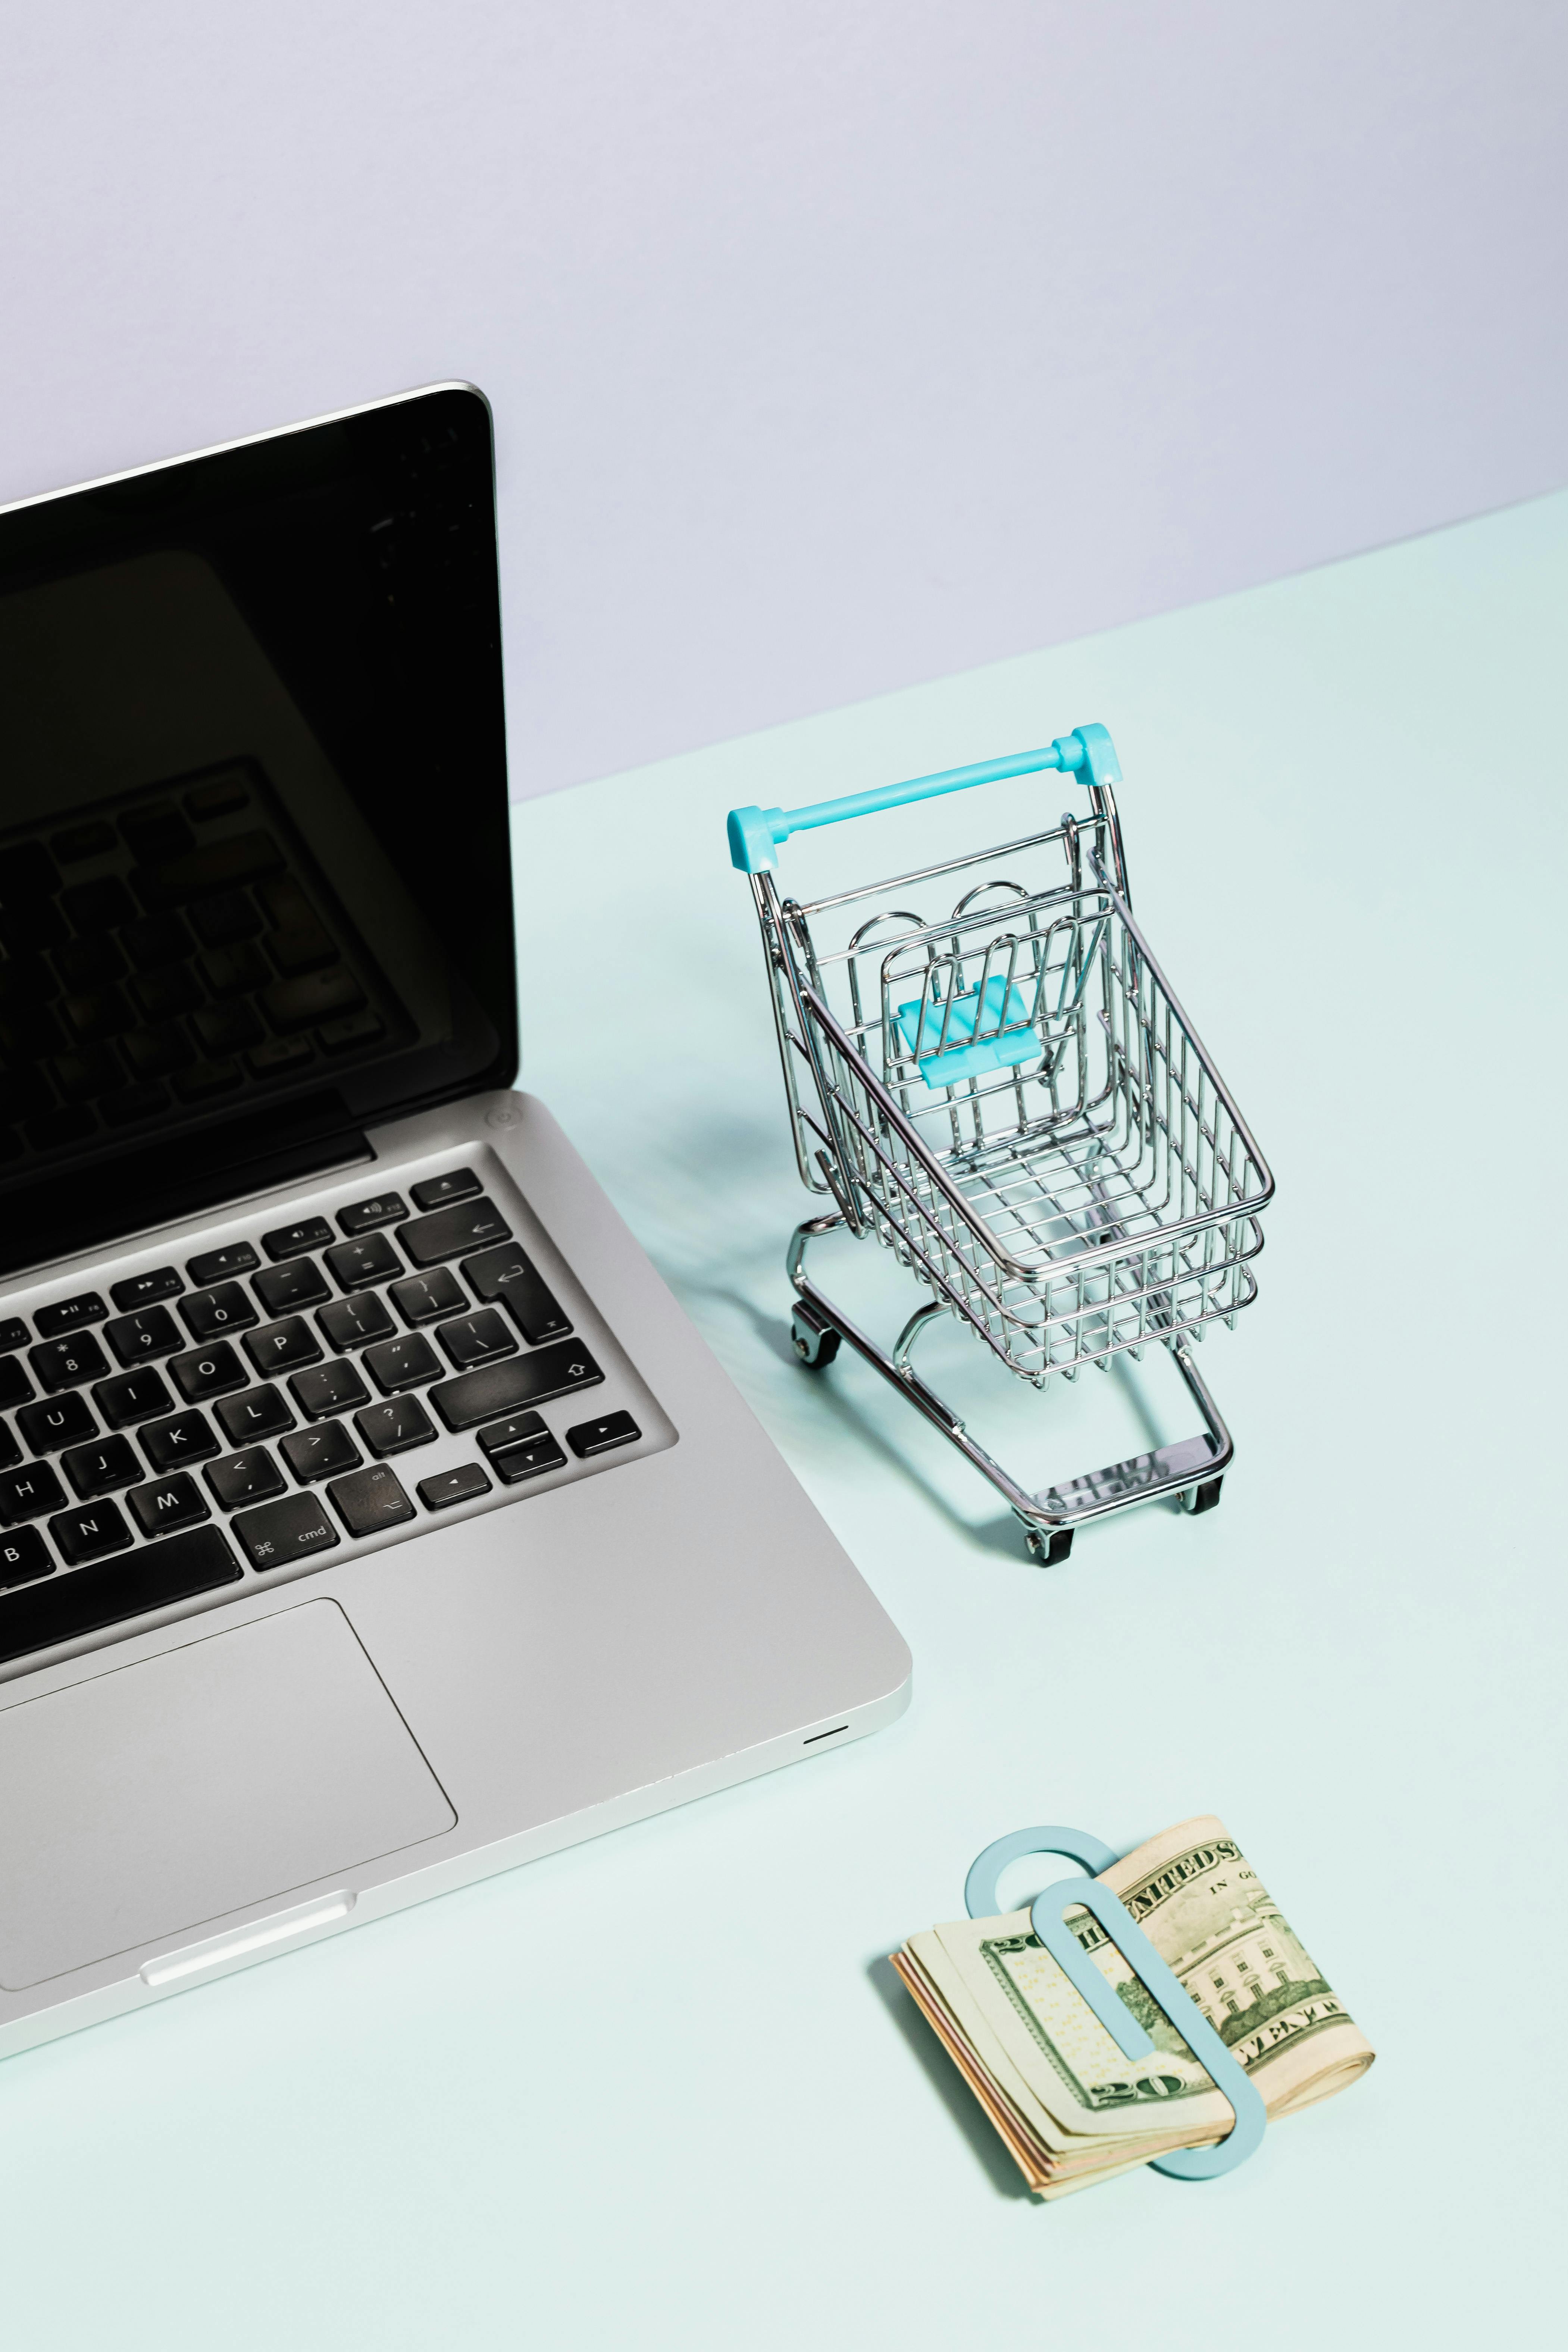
(259, 1405)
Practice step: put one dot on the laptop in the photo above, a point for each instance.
(371, 1518)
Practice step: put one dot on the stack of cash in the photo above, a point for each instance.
(1071, 2109)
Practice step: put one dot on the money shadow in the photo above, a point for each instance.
(947, 2082)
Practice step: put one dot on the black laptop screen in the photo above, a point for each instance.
(255, 889)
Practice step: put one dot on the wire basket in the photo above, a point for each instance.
(988, 1073)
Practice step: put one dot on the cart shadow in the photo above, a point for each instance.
(1005, 1535)
(948, 2084)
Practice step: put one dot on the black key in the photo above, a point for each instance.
(394, 1427)
(598, 1436)
(279, 1055)
(90, 1533)
(298, 1283)
(61, 1363)
(156, 942)
(258, 1412)
(13, 1333)
(16, 1388)
(293, 1240)
(27, 872)
(168, 1504)
(281, 1533)
(28, 1494)
(353, 1322)
(79, 841)
(69, 1315)
(131, 1397)
(100, 1469)
(252, 1476)
(517, 1429)
(24, 1554)
(151, 1331)
(314, 1454)
(331, 1387)
(66, 1607)
(356, 1264)
(502, 1275)
(426, 1297)
(54, 1422)
(219, 1264)
(498, 1389)
(450, 1486)
(98, 1013)
(303, 947)
(89, 963)
(205, 1078)
(209, 1313)
(403, 1363)
(365, 1215)
(146, 1289)
(354, 1029)
(99, 906)
(224, 794)
(227, 917)
(128, 1104)
(186, 1438)
(226, 1028)
(235, 970)
(153, 1053)
(93, 1071)
(436, 1191)
(164, 995)
(286, 903)
(208, 1372)
(281, 1346)
(477, 1339)
(155, 834)
(69, 1606)
(292, 1004)
(530, 1461)
(370, 1500)
(507, 1276)
(221, 865)
(10, 1452)
(452, 1232)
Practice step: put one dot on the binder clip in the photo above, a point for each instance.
(1046, 1917)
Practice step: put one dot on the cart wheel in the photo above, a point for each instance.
(816, 1343)
(1049, 1545)
(1206, 1496)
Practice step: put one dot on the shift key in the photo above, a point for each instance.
(497, 1389)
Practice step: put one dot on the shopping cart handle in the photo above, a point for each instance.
(754, 833)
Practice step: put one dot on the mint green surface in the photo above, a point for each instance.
(661, 2091)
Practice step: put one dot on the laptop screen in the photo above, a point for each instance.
(255, 889)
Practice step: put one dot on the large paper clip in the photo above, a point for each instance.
(1046, 1917)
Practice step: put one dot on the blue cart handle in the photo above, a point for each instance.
(754, 833)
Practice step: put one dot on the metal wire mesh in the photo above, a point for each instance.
(1000, 1087)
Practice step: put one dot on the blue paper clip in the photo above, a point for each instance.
(1046, 1917)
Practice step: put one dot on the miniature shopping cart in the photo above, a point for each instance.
(987, 1073)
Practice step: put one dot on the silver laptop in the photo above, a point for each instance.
(371, 1518)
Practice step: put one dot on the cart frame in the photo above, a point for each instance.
(1098, 1189)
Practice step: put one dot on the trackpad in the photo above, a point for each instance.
(159, 1796)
